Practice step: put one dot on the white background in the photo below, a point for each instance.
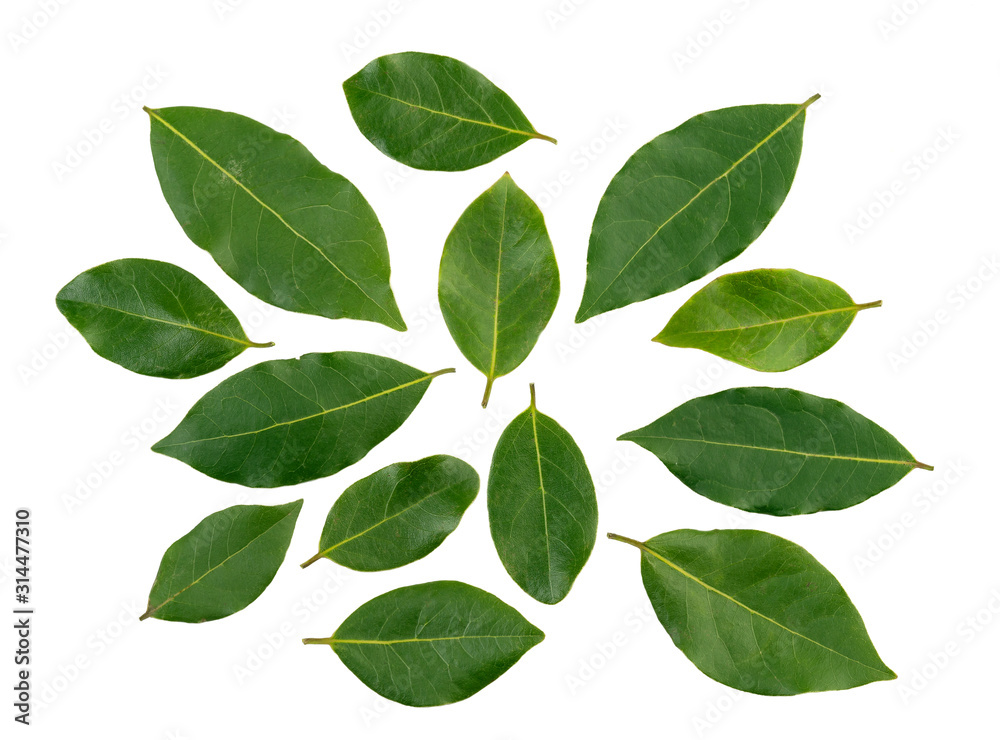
(909, 95)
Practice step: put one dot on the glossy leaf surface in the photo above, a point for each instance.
(435, 113)
(757, 612)
(690, 200)
(153, 318)
(776, 451)
(279, 223)
(223, 564)
(398, 514)
(769, 320)
(499, 282)
(288, 421)
(542, 505)
(432, 644)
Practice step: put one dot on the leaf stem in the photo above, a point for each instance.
(311, 560)
(260, 345)
(317, 641)
(543, 137)
(531, 388)
(628, 541)
(863, 306)
(923, 466)
(441, 372)
(489, 389)
(811, 100)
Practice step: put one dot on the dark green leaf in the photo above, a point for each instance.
(769, 320)
(690, 200)
(435, 113)
(153, 318)
(499, 282)
(432, 644)
(278, 222)
(543, 509)
(776, 451)
(398, 514)
(222, 565)
(288, 421)
(757, 612)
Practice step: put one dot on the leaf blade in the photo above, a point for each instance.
(214, 586)
(664, 219)
(776, 451)
(498, 281)
(276, 419)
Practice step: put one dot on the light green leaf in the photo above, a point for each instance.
(288, 421)
(153, 318)
(278, 222)
(757, 612)
(432, 644)
(690, 200)
(769, 320)
(435, 113)
(776, 451)
(398, 514)
(499, 282)
(542, 505)
(222, 565)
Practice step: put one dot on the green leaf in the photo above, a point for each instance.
(153, 318)
(279, 223)
(542, 505)
(222, 565)
(288, 421)
(769, 320)
(776, 451)
(690, 200)
(432, 644)
(499, 282)
(398, 514)
(435, 113)
(757, 612)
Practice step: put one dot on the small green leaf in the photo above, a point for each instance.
(222, 565)
(153, 318)
(398, 514)
(776, 451)
(757, 612)
(690, 200)
(435, 113)
(499, 282)
(542, 505)
(288, 421)
(432, 644)
(279, 223)
(768, 320)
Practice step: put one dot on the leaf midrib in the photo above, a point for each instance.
(272, 211)
(647, 549)
(541, 487)
(335, 641)
(799, 317)
(701, 192)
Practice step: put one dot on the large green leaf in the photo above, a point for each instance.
(278, 222)
(757, 612)
(776, 451)
(690, 200)
(432, 644)
(435, 113)
(769, 320)
(153, 318)
(288, 421)
(499, 282)
(398, 514)
(542, 505)
(223, 564)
